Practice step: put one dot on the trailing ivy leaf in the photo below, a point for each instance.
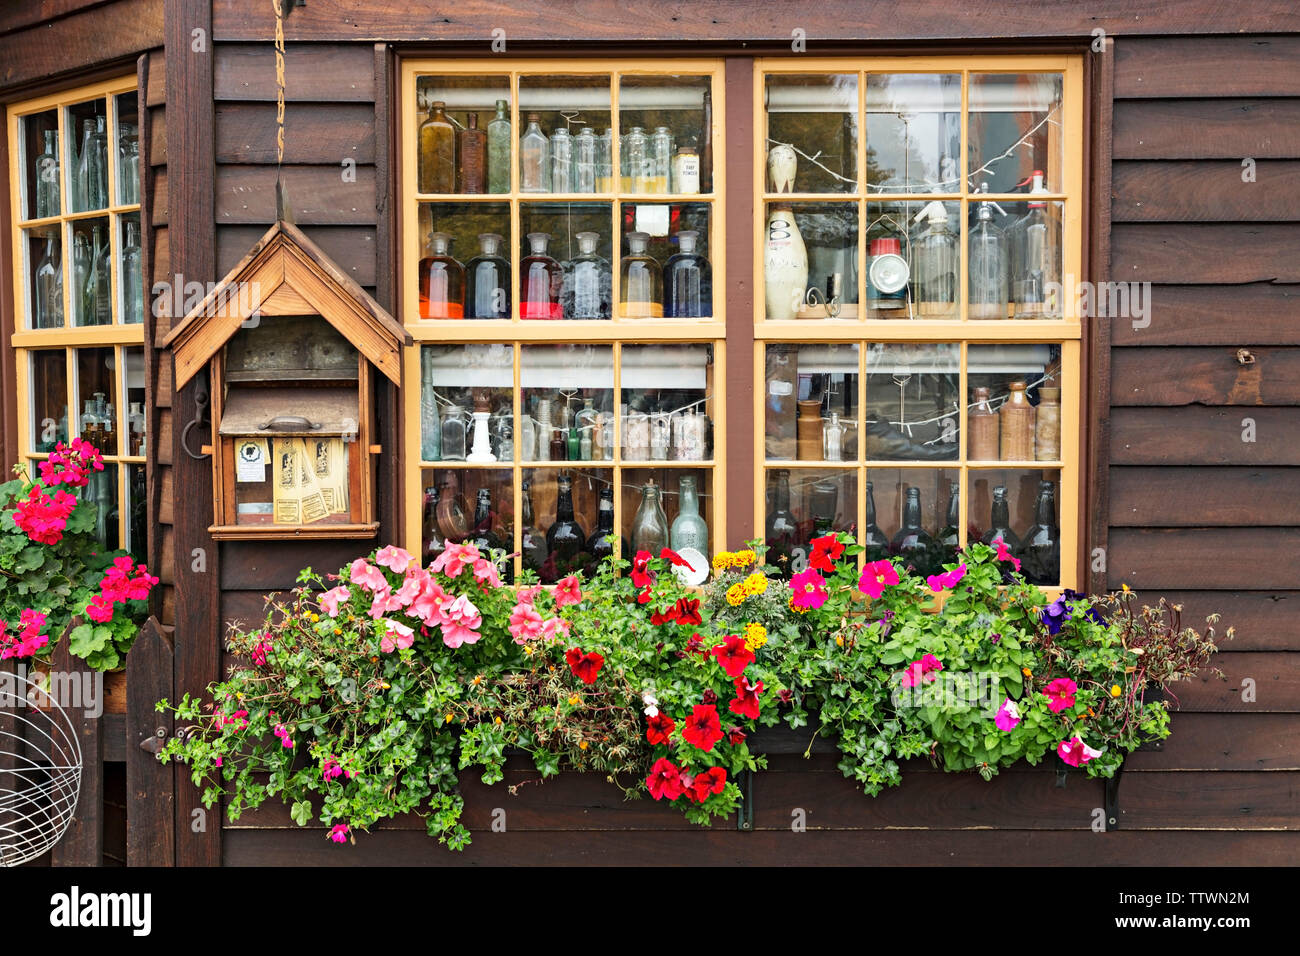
(86, 639)
(301, 812)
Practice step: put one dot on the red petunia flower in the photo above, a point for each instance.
(826, 550)
(665, 780)
(660, 728)
(695, 645)
(585, 667)
(746, 702)
(703, 728)
(667, 617)
(734, 656)
(640, 576)
(676, 559)
(688, 611)
(713, 780)
(736, 736)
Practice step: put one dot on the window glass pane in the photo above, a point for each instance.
(102, 493)
(137, 524)
(49, 409)
(1021, 507)
(665, 269)
(128, 148)
(566, 513)
(44, 264)
(133, 382)
(130, 306)
(565, 251)
(917, 510)
(97, 391)
(810, 260)
(92, 273)
(1032, 235)
(39, 147)
(913, 259)
(812, 133)
(464, 136)
(471, 505)
(669, 507)
(912, 409)
(811, 401)
(1014, 402)
(804, 503)
(466, 402)
(286, 480)
(553, 112)
(568, 403)
(666, 408)
(666, 128)
(914, 132)
(86, 154)
(464, 269)
(1015, 130)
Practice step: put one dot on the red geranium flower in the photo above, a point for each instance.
(665, 780)
(734, 656)
(585, 667)
(660, 728)
(746, 702)
(703, 728)
(710, 781)
(826, 550)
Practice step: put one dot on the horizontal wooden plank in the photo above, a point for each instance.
(313, 133)
(1209, 436)
(1207, 129)
(1259, 313)
(1154, 559)
(166, 496)
(1221, 742)
(1169, 497)
(1264, 620)
(1272, 677)
(83, 40)
(318, 195)
(1206, 66)
(1199, 253)
(167, 555)
(158, 211)
(352, 248)
(1199, 800)
(158, 136)
(16, 16)
(314, 72)
(1204, 376)
(718, 847)
(1206, 191)
(264, 566)
(155, 93)
(402, 20)
(161, 259)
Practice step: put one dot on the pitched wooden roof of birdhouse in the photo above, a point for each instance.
(285, 273)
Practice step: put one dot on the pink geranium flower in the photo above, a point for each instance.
(809, 589)
(331, 599)
(525, 623)
(567, 591)
(876, 576)
(462, 623)
(394, 558)
(1008, 715)
(397, 636)
(339, 832)
(454, 559)
(948, 579)
(364, 573)
(1004, 553)
(1075, 752)
(1060, 693)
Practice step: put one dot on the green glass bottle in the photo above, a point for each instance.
(689, 529)
(498, 149)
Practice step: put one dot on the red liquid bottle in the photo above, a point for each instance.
(541, 279)
(442, 281)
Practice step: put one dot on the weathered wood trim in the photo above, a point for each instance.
(150, 835)
(83, 842)
(100, 37)
(192, 255)
(390, 467)
(153, 414)
(1220, 66)
(739, 206)
(8, 320)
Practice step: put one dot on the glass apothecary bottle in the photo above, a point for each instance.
(982, 424)
(650, 526)
(482, 535)
(471, 157)
(1016, 424)
(590, 281)
(1047, 424)
(80, 171)
(661, 159)
(688, 281)
(781, 533)
(833, 439)
(1035, 242)
(542, 280)
(502, 431)
(47, 177)
(950, 534)
(641, 294)
(534, 158)
(499, 139)
(605, 162)
(432, 542)
(437, 172)
(48, 312)
(97, 184)
(565, 538)
(1040, 551)
(584, 161)
(442, 281)
(598, 547)
(988, 267)
(586, 421)
(875, 546)
(635, 149)
(562, 161)
(487, 278)
(936, 258)
(430, 418)
(100, 271)
(135, 423)
(453, 433)
(83, 280)
(129, 270)
(689, 529)
(128, 166)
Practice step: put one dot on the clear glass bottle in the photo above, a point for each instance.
(936, 258)
(432, 541)
(502, 430)
(988, 267)
(499, 140)
(641, 294)
(533, 541)
(1035, 242)
(543, 430)
(81, 180)
(48, 311)
(128, 166)
(488, 281)
(661, 159)
(564, 539)
(661, 435)
(913, 543)
(541, 281)
(1040, 551)
(605, 162)
(689, 529)
(875, 546)
(584, 161)
(453, 434)
(129, 271)
(442, 281)
(589, 280)
(586, 422)
(636, 161)
(649, 526)
(534, 158)
(83, 280)
(482, 536)
(437, 151)
(688, 281)
(598, 548)
(1000, 523)
(781, 534)
(135, 422)
(430, 419)
(833, 439)
(47, 177)
(103, 300)
(97, 185)
(686, 171)
(562, 161)
(471, 157)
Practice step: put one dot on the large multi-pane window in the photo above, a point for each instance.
(79, 296)
(917, 346)
(562, 279)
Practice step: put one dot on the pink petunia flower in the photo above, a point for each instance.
(331, 599)
(528, 595)
(394, 558)
(876, 576)
(525, 623)
(412, 586)
(429, 603)
(567, 591)
(397, 636)
(1004, 553)
(948, 579)
(555, 627)
(1008, 715)
(367, 575)
(809, 589)
(1060, 693)
(462, 624)
(485, 572)
(1075, 752)
(339, 832)
(454, 559)
(385, 602)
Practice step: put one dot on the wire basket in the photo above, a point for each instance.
(40, 770)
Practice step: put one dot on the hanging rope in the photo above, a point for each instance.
(279, 106)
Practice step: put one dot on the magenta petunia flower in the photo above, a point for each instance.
(567, 591)
(1008, 715)
(1060, 693)
(339, 832)
(1004, 553)
(809, 589)
(948, 579)
(1075, 752)
(876, 576)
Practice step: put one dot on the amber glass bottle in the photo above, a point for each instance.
(442, 281)
(437, 151)
(471, 159)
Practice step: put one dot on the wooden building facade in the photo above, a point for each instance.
(1177, 168)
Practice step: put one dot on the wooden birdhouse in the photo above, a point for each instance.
(291, 345)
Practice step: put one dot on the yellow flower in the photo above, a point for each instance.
(384, 685)
(315, 618)
(528, 650)
(722, 560)
(478, 679)
(755, 636)
(839, 640)
(756, 583)
(450, 718)
(582, 745)
(1125, 587)
(574, 700)
(1026, 671)
(498, 720)
(743, 559)
(1115, 690)
(736, 594)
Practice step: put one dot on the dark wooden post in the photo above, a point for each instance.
(83, 843)
(150, 799)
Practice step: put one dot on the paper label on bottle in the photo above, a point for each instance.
(652, 220)
(250, 461)
(779, 388)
